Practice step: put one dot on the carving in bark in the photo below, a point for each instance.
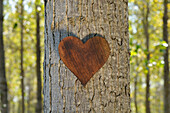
(109, 89)
(84, 60)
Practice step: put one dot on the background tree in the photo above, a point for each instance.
(138, 49)
(38, 61)
(166, 56)
(12, 48)
(22, 49)
(146, 12)
(3, 82)
(108, 90)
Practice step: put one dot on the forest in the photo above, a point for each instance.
(22, 53)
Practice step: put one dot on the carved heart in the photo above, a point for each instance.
(84, 59)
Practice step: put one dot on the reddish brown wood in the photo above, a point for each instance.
(84, 60)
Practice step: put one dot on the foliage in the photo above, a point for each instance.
(12, 52)
(138, 50)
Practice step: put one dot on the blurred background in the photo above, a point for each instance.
(23, 42)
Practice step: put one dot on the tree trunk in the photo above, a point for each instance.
(22, 49)
(146, 33)
(135, 87)
(39, 97)
(109, 89)
(28, 98)
(166, 65)
(3, 82)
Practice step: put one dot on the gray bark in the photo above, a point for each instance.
(3, 82)
(109, 89)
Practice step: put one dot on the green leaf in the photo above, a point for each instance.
(15, 26)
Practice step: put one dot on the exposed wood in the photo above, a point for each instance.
(84, 60)
(3, 81)
(166, 56)
(108, 90)
(21, 51)
(38, 62)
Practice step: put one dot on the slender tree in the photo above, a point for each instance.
(38, 67)
(135, 87)
(3, 81)
(147, 36)
(22, 49)
(108, 90)
(166, 56)
(29, 95)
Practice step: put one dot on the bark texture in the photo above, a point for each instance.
(38, 67)
(3, 82)
(22, 49)
(108, 90)
(166, 56)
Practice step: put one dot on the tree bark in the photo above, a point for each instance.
(39, 97)
(3, 81)
(166, 56)
(109, 89)
(22, 49)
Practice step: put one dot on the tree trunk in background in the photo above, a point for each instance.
(135, 88)
(109, 89)
(166, 65)
(22, 49)
(39, 97)
(3, 82)
(19, 110)
(29, 95)
(146, 32)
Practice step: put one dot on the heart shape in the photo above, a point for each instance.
(84, 59)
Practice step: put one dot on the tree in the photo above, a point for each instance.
(166, 56)
(22, 49)
(108, 90)
(135, 87)
(39, 96)
(156, 50)
(3, 82)
(146, 32)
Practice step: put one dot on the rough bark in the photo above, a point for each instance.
(3, 81)
(108, 90)
(39, 96)
(166, 56)
(22, 49)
